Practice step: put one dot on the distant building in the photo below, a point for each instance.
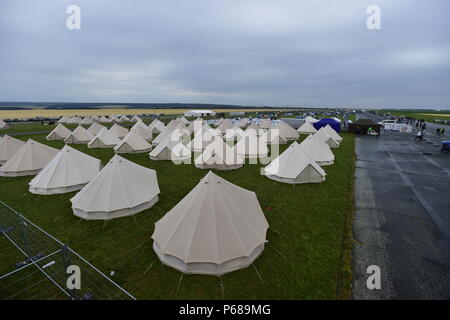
(237, 113)
(199, 113)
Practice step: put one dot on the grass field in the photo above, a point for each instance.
(17, 114)
(428, 116)
(307, 256)
(444, 115)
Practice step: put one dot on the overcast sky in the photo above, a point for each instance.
(247, 52)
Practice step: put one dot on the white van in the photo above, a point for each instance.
(384, 122)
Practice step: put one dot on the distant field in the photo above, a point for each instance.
(427, 116)
(99, 112)
(436, 114)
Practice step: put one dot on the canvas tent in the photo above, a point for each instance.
(74, 120)
(103, 140)
(79, 136)
(171, 124)
(28, 160)
(333, 133)
(136, 119)
(201, 139)
(115, 118)
(133, 143)
(318, 151)
(141, 129)
(95, 128)
(174, 134)
(68, 171)
(8, 147)
(214, 132)
(244, 123)
(225, 125)
(219, 156)
(217, 228)
(286, 131)
(170, 148)
(160, 137)
(251, 146)
(59, 133)
(311, 119)
(265, 124)
(293, 122)
(294, 166)
(234, 134)
(175, 123)
(179, 124)
(306, 128)
(64, 119)
(272, 136)
(87, 120)
(254, 129)
(3, 124)
(184, 120)
(118, 130)
(122, 188)
(328, 121)
(104, 119)
(218, 122)
(124, 118)
(195, 125)
(156, 126)
(325, 137)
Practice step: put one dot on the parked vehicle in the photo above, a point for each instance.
(383, 122)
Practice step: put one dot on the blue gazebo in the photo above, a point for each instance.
(336, 125)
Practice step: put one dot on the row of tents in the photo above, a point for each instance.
(212, 150)
(302, 163)
(103, 119)
(216, 228)
(120, 138)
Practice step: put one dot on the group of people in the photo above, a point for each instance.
(440, 132)
(421, 124)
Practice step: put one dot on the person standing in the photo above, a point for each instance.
(418, 135)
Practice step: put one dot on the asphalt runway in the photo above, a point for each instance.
(402, 218)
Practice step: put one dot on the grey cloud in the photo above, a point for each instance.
(265, 52)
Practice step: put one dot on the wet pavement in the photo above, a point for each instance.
(402, 218)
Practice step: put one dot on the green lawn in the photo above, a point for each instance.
(304, 258)
(429, 116)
